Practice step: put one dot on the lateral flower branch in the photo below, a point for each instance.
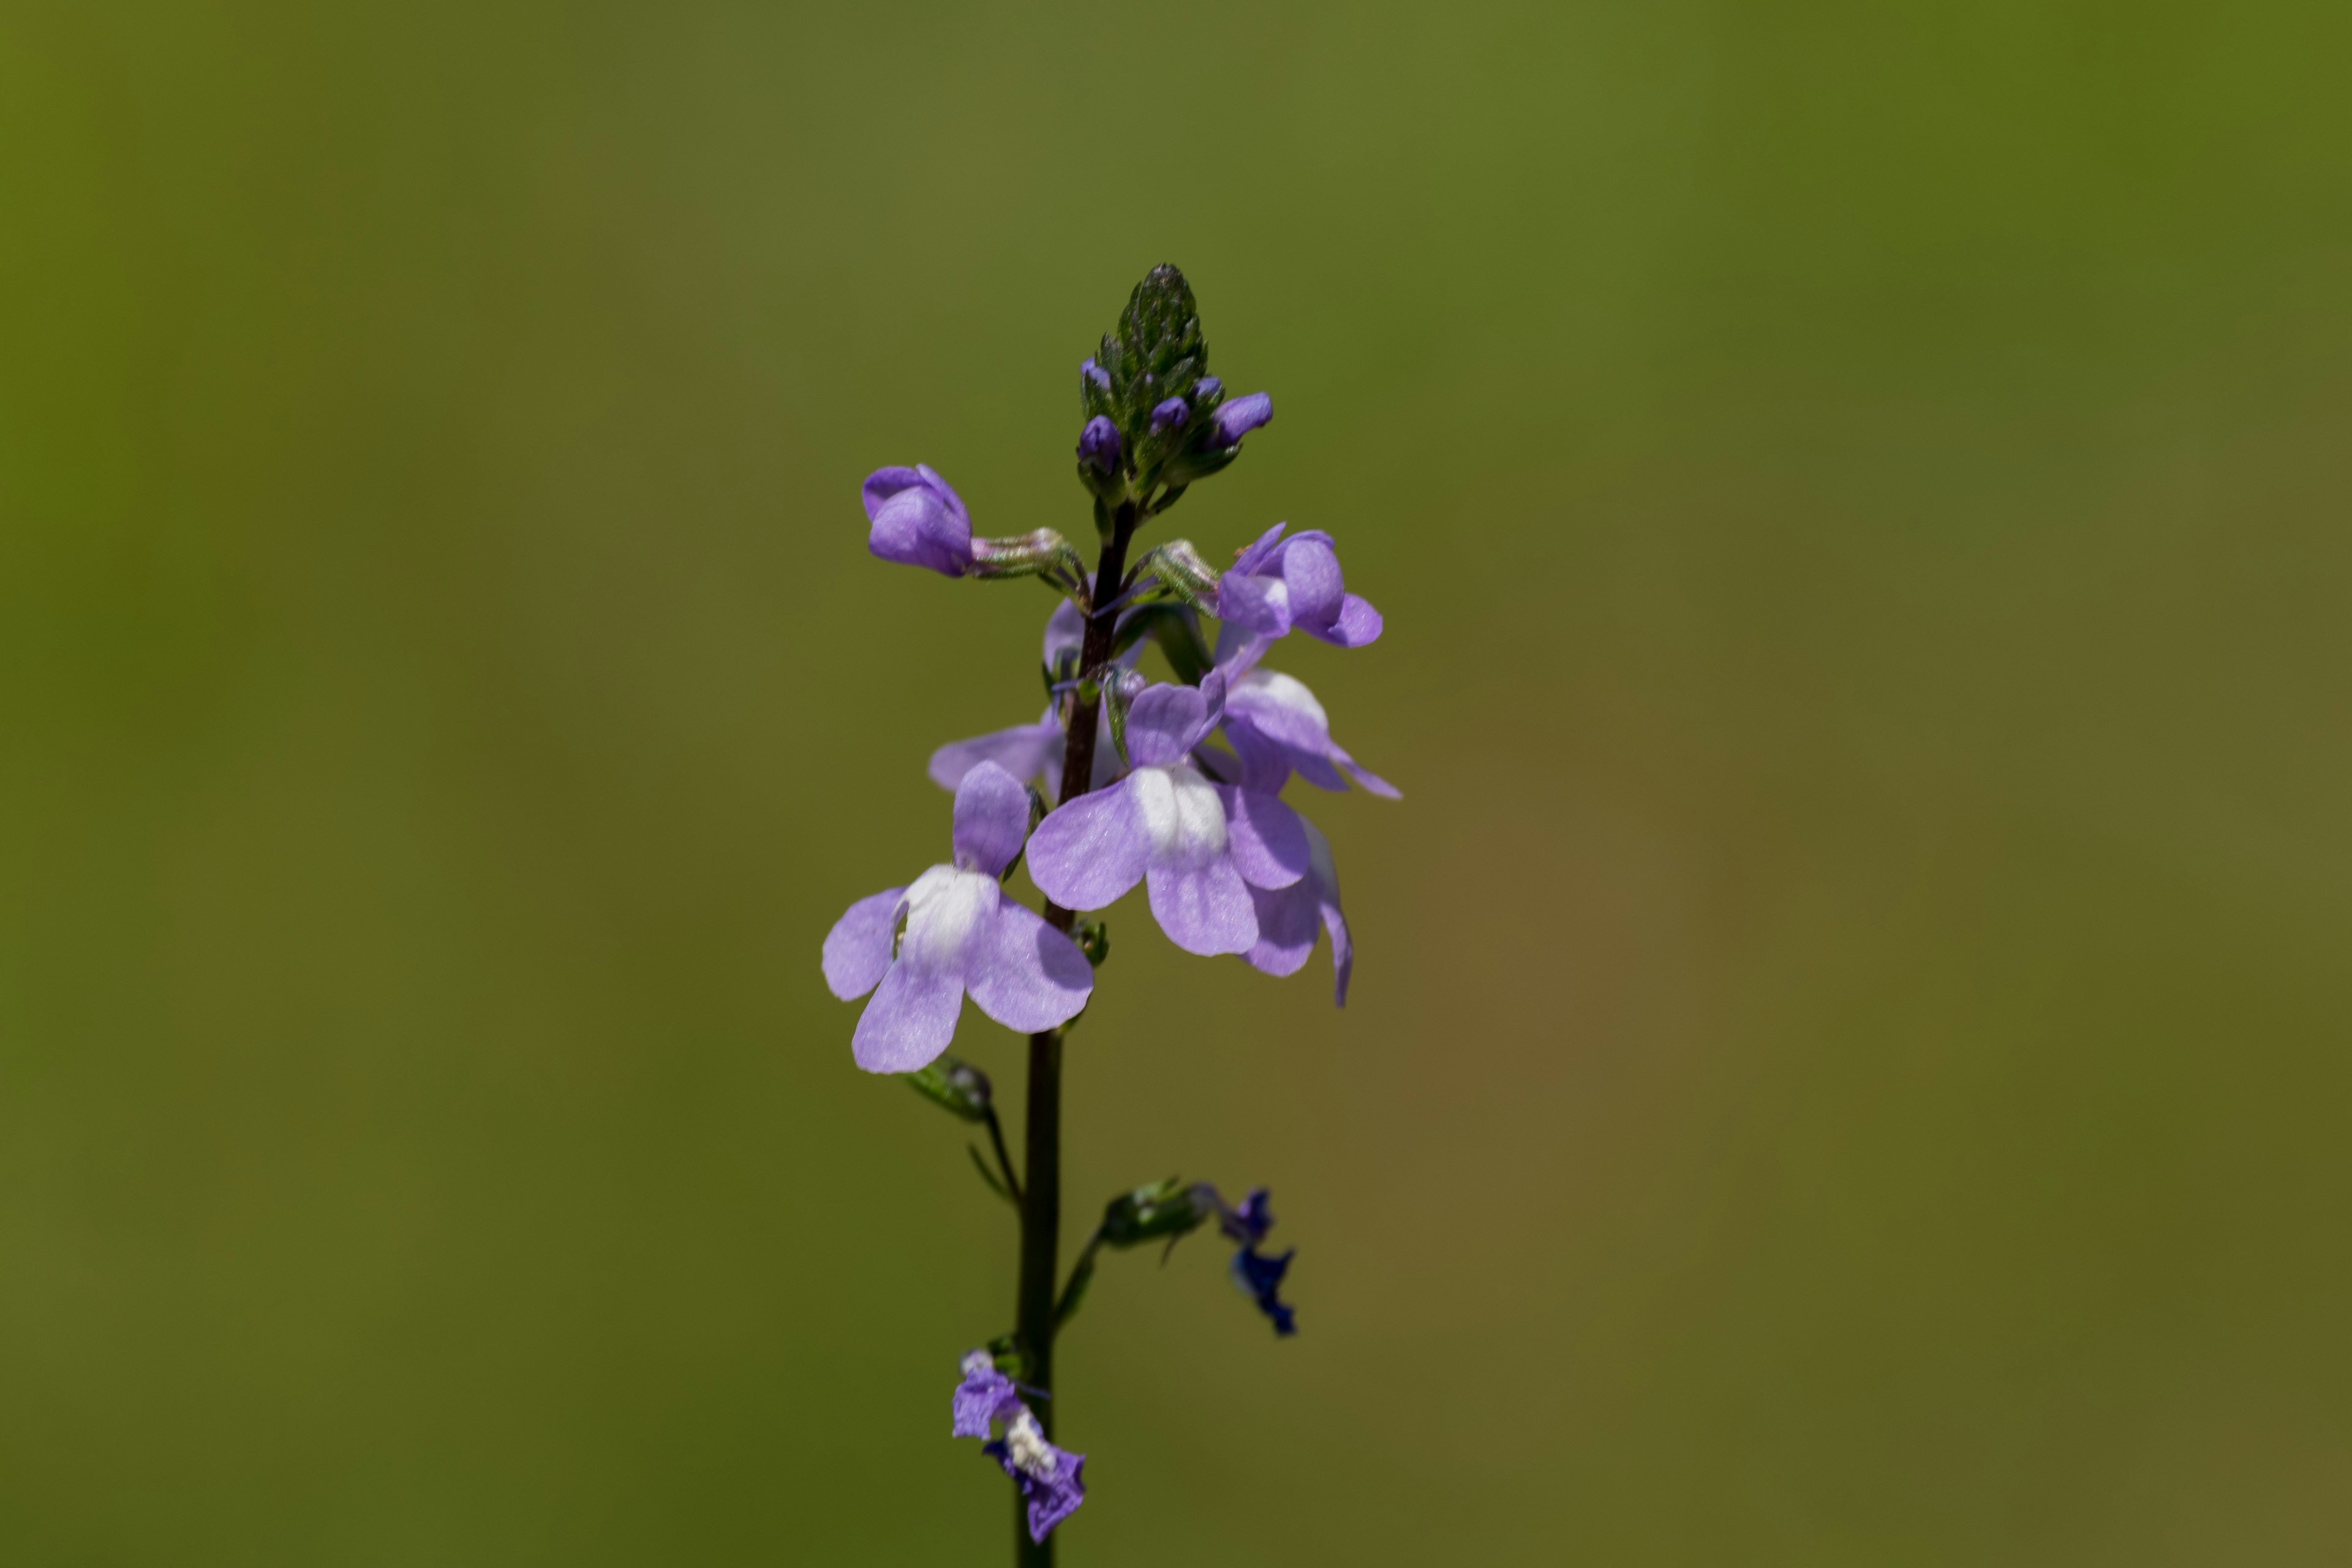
(1176, 784)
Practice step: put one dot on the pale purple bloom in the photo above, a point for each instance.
(1099, 444)
(1238, 417)
(1096, 373)
(1170, 415)
(1278, 727)
(919, 948)
(1199, 846)
(1051, 1478)
(1278, 585)
(1286, 918)
(919, 520)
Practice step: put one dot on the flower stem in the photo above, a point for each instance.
(1041, 1197)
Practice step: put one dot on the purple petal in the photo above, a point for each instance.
(922, 523)
(858, 948)
(1065, 632)
(1239, 416)
(1265, 763)
(1030, 977)
(1204, 908)
(1310, 569)
(1283, 709)
(1163, 723)
(909, 1022)
(985, 1394)
(1171, 415)
(1267, 839)
(1285, 928)
(1023, 751)
(1365, 776)
(1260, 605)
(1359, 623)
(1099, 444)
(1090, 850)
(1253, 557)
(1343, 952)
(991, 819)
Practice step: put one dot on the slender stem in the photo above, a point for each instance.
(1004, 1159)
(1041, 1200)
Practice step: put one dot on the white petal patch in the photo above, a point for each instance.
(1181, 814)
(1024, 1444)
(944, 911)
(1270, 688)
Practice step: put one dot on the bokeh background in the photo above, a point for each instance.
(1848, 1063)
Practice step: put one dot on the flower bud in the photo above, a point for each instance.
(1238, 417)
(1171, 415)
(1207, 387)
(1096, 373)
(1164, 1209)
(1098, 445)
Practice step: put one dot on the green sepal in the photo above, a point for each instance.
(1162, 1209)
(956, 1086)
(1093, 938)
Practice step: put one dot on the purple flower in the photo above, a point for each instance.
(1208, 386)
(1286, 918)
(1096, 373)
(1199, 846)
(1098, 444)
(918, 521)
(920, 948)
(1240, 417)
(1170, 415)
(1051, 1478)
(1278, 585)
(1278, 728)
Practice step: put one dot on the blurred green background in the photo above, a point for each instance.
(1848, 1058)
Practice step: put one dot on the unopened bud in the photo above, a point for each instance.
(1099, 444)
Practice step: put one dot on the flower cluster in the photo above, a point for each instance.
(1176, 785)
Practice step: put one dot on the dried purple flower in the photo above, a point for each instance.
(1199, 846)
(1050, 1479)
(919, 948)
(918, 521)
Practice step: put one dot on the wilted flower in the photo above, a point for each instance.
(1049, 1477)
(920, 948)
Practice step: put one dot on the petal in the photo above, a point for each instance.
(1343, 952)
(991, 819)
(1023, 751)
(1283, 709)
(1265, 763)
(884, 483)
(1359, 623)
(909, 1022)
(1090, 850)
(914, 528)
(1269, 840)
(1365, 776)
(1285, 928)
(1260, 605)
(1239, 649)
(1181, 817)
(1161, 725)
(1066, 631)
(1251, 557)
(1030, 977)
(1212, 708)
(858, 948)
(947, 494)
(1204, 908)
(1310, 569)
